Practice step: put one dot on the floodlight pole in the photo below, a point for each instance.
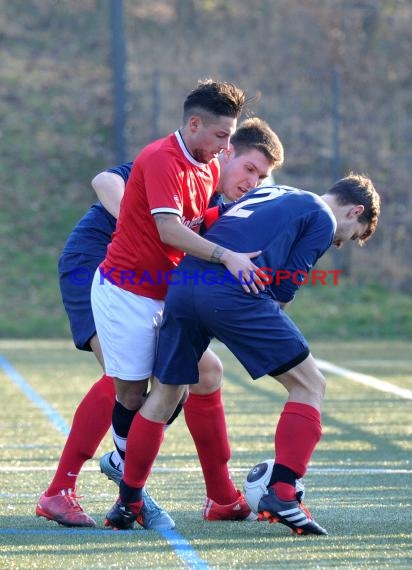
(119, 78)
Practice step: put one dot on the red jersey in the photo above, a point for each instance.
(165, 178)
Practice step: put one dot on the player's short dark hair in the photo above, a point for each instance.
(254, 133)
(358, 189)
(212, 99)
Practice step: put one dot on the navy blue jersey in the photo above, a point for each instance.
(292, 227)
(94, 230)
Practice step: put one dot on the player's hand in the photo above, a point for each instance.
(241, 267)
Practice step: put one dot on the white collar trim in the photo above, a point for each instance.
(186, 152)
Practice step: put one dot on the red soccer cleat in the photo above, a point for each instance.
(237, 511)
(64, 509)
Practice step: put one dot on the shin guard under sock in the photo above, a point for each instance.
(143, 444)
(205, 418)
(91, 422)
(298, 431)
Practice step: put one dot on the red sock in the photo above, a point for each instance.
(285, 492)
(205, 418)
(298, 431)
(142, 446)
(91, 422)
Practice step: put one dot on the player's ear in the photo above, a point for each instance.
(194, 123)
(356, 211)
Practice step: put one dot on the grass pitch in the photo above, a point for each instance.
(358, 485)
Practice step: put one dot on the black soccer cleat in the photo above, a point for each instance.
(290, 513)
(122, 516)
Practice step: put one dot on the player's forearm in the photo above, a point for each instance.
(179, 236)
(173, 233)
(109, 188)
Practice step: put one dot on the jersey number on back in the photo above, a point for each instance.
(262, 195)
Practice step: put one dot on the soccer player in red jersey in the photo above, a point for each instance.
(254, 152)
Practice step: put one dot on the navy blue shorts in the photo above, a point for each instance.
(254, 328)
(76, 271)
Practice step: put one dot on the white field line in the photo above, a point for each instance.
(365, 379)
(91, 469)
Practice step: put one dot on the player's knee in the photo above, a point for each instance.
(132, 401)
(210, 376)
(131, 395)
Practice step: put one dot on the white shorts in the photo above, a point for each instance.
(126, 326)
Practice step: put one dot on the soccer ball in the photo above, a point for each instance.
(256, 484)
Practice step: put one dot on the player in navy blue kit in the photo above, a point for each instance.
(82, 253)
(254, 152)
(292, 229)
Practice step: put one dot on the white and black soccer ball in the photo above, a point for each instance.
(256, 484)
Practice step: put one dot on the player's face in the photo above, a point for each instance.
(240, 173)
(208, 140)
(348, 230)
